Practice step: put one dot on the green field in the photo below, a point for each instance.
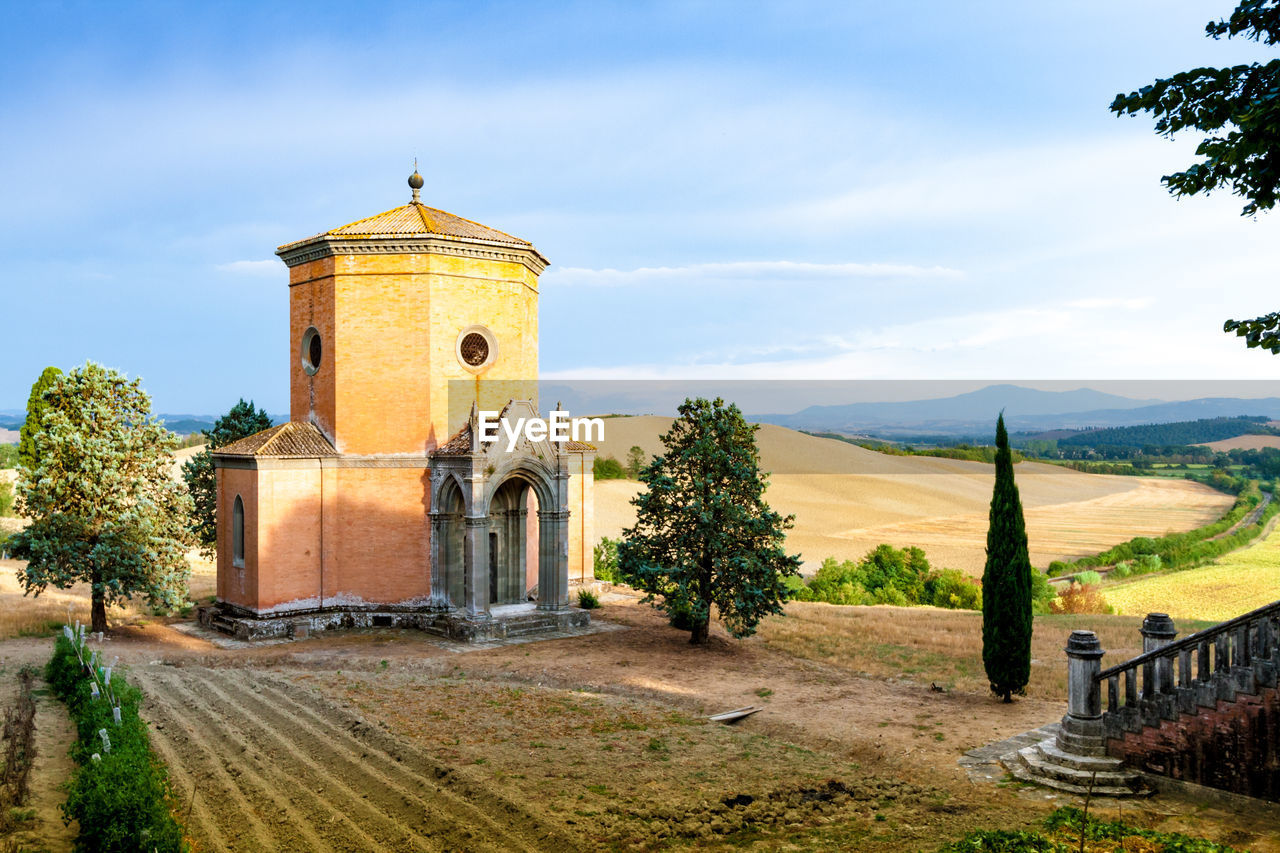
(1236, 583)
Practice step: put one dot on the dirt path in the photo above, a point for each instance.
(50, 771)
(275, 767)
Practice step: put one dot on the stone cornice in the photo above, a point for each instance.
(325, 246)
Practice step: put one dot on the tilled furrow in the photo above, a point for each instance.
(403, 769)
(250, 804)
(510, 820)
(199, 822)
(283, 740)
(299, 817)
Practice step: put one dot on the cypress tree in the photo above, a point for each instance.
(36, 407)
(1006, 583)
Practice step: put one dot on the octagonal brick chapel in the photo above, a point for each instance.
(377, 504)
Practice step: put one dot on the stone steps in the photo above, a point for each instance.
(1046, 764)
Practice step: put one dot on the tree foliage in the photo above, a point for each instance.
(103, 505)
(635, 461)
(704, 535)
(243, 420)
(1006, 583)
(36, 407)
(1238, 107)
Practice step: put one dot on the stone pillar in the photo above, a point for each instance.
(1158, 631)
(439, 591)
(1081, 732)
(553, 559)
(475, 566)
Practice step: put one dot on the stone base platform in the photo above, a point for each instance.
(506, 622)
(1045, 763)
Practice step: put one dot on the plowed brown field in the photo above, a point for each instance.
(274, 767)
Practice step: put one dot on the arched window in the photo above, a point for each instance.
(237, 533)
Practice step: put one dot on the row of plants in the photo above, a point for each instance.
(1068, 829)
(1180, 550)
(119, 792)
(886, 575)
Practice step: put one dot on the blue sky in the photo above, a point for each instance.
(855, 190)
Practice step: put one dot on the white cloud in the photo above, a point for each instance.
(255, 268)
(750, 270)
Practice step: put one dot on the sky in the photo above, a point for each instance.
(845, 190)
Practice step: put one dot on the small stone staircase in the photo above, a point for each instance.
(1204, 709)
(1045, 763)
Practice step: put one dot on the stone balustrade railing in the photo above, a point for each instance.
(1169, 678)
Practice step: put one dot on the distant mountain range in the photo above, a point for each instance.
(181, 424)
(1025, 409)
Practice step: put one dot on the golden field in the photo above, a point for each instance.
(1236, 583)
(1245, 442)
(848, 499)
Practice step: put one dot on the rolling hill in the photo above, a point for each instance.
(848, 499)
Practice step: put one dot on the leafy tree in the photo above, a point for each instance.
(243, 420)
(103, 505)
(635, 460)
(704, 535)
(36, 407)
(1239, 107)
(1006, 583)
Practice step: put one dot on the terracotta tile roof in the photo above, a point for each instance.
(417, 220)
(459, 444)
(579, 445)
(296, 438)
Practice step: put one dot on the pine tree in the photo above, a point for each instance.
(104, 507)
(36, 407)
(704, 535)
(1006, 583)
(243, 420)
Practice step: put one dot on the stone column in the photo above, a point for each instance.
(439, 591)
(553, 559)
(475, 566)
(1157, 632)
(1081, 732)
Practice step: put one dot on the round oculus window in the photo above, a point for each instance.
(312, 350)
(476, 348)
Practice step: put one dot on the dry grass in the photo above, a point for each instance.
(26, 616)
(926, 644)
(847, 500)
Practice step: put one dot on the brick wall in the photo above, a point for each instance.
(1234, 746)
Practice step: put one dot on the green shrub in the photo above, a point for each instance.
(1058, 567)
(587, 599)
(6, 499)
(605, 564)
(608, 469)
(954, 590)
(1122, 570)
(888, 575)
(1088, 579)
(122, 800)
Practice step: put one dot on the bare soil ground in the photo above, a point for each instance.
(369, 740)
(847, 499)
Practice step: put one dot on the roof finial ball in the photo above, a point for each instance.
(415, 182)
